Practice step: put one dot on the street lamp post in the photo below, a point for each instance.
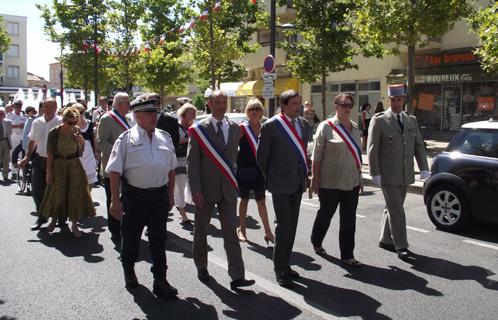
(61, 75)
(95, 61)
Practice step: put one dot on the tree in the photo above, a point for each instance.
(223, 37)
(485, 23)
(407, 23)
(327, 44)
(4, 38)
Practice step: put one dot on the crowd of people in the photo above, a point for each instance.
(150, 160)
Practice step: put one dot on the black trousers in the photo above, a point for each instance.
(112, 223)
(144, 208)
(38, 181)
(286, 208)
(329, 200)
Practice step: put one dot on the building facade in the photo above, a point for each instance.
(14, 62)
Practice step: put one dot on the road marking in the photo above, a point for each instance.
(417, 229)
(360, 216)
(481, 244)
(288, 295)
(310, 204)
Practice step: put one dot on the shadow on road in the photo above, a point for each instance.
(157, 308)
(454, 271)
(337, 301)
(297, 258)
(479, 231)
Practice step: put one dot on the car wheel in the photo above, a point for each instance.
(448, 208)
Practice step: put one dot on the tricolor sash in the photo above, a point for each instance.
(250, 136)
(293, 137)
(119, 119)
(201, 136)
(353, 147)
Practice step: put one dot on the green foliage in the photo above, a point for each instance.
(485, 23)
(199, 102)
(4, 38)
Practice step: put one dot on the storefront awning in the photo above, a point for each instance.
(255, 88)
(230, 89)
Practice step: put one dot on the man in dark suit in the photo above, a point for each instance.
(282, 158)
(211, 186)
(166, 120)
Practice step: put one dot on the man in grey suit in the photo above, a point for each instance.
(284, 166)
(210, 187)
(5, 144)
(110, 126)
(393, 140)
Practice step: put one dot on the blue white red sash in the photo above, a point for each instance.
(250, 136)
(119, 119)
(353, 147)
(294, 138)
(201, 136)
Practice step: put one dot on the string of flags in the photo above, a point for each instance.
(159, 40)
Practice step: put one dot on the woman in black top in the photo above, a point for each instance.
(249, 176)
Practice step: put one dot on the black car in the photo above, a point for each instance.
(464, 178)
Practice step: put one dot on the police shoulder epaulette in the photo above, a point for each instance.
(379, 114)
(164, 132)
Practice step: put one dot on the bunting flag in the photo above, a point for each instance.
(254, 1)
(217, 6)
(147, 48)
(204, 15)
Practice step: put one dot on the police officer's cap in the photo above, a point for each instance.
(144, 106)
(396, 90)
(18, 102)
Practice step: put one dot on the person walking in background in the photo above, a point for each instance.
(142, 173)
(17, 119)
(365, 122)
(98, 112)
(20, 150)
(88, 157)
(5, 144)
(38, 137)
(187, 114)
(249, 176)
(393, 140)
(282, 159)
(67, 194)
(310, 116)
(336, 167)
(110, 126)
(379, 107)
(211, 156)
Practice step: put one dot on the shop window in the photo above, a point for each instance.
(348, 87)
(334, 87)
(363, 86)
(316, 88)
(13, 28)
(375, 86)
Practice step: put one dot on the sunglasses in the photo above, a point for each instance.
(254, 109)
(72, 123)
(345, 105)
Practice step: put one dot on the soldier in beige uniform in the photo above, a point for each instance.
(393, 140)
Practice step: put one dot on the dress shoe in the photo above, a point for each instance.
(387, 246)
(239, 283)
(163, 289)
(404, 254)
(38, 224)
(131, 280)
(203, 275)
(293, 274)
(284, 279)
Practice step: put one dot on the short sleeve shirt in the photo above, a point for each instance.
(39, 133)
(144, 163)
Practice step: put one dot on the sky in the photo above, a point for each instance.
(41, 51)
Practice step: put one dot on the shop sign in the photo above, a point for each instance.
(445, 59)
(439, 78)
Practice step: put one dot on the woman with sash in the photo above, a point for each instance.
(336, 177)
(249, 176)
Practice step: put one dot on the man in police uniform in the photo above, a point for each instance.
(143, 158)
(393, 140)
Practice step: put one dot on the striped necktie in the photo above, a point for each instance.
(219, 134)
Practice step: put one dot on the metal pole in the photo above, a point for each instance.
(95, 62)
(271, 107)
(61, 78)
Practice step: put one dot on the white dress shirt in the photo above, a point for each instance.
(224, 126)
(297, 125)
(39, 133)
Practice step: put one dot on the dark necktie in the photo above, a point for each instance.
(399, 122)
(1, 129)
(219, 134)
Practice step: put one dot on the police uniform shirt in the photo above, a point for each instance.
(143, 162)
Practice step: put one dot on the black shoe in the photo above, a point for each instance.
(387, 246)
(163, 289)
(39, 223)
(284, 279)
(239, 283)
(293, 274)
(404, 254)
(203, 275)
(131, 280)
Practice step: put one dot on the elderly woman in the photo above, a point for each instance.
(249, 176)
(88, 157)
(336, 167)
(187, 114)
(67, 194)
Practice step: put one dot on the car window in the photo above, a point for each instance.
(480, 143)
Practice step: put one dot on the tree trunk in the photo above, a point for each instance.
(411, 78)
(324, 93)
(161, 93)
(211, 47)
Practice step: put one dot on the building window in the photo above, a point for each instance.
(348, 87)
(13, 72)
(13, 50)
(13, 28)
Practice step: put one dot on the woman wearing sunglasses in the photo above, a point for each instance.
(67, 194)
(336, 167)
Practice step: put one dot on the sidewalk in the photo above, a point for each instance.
(433, 148)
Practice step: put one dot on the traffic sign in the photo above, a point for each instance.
(269, 63)
(268, 89)
(269, 76)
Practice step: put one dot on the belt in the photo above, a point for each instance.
(38, 155)
(65, 158)
(129, 188)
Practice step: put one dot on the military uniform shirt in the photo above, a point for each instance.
(143, 162)
(16, 119)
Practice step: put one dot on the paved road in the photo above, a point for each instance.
(58, 277)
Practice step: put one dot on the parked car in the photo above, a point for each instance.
(464, 178)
